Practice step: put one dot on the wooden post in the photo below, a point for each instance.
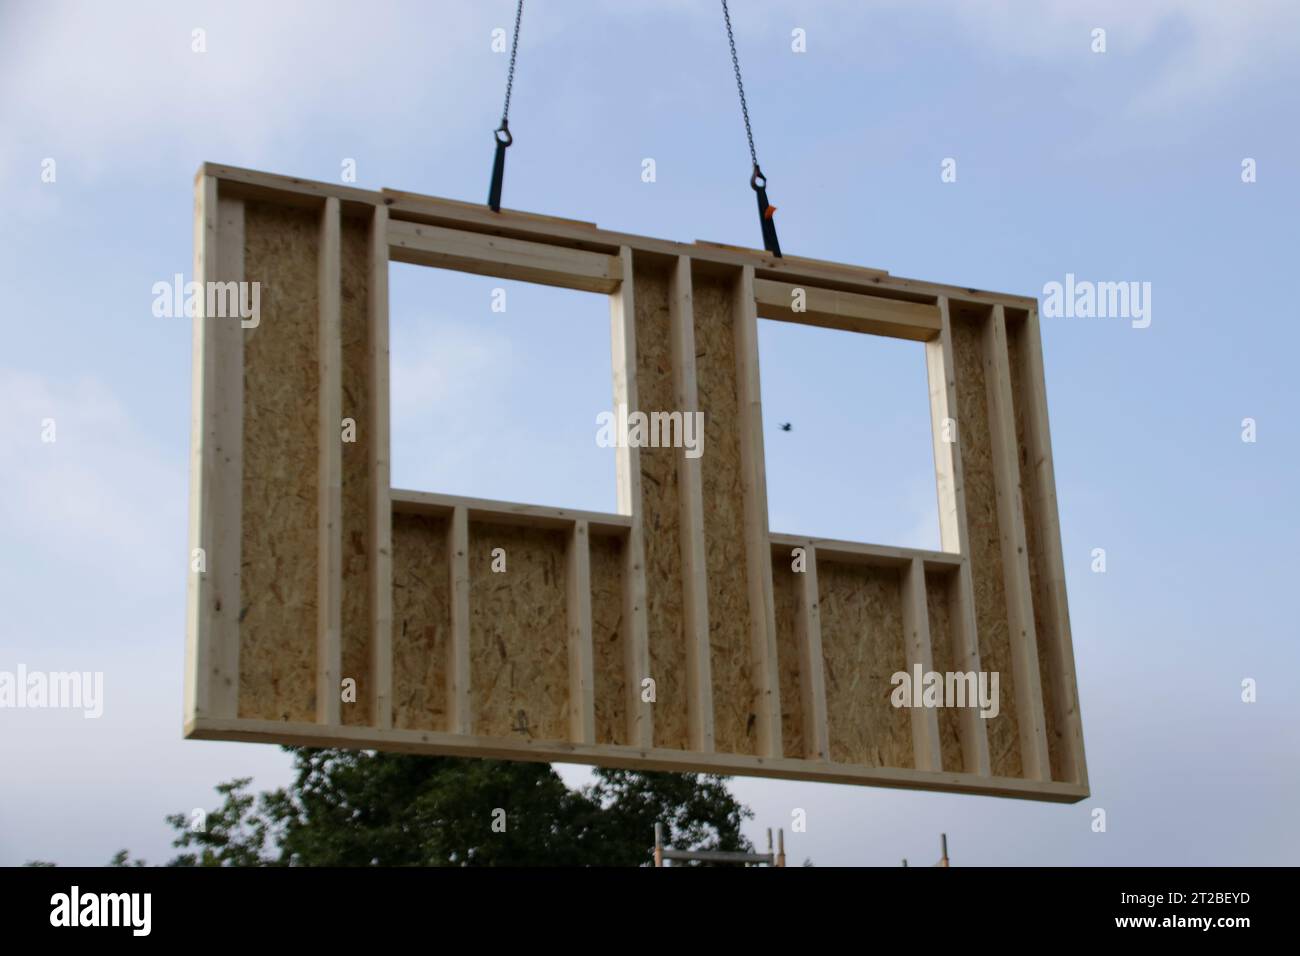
(216, 456)
(926, 753)
(758, 548)
(636, 642)
(695, 589)
(1015, 558)
(329, 602)
(460, 719)
(381, 507)
(1050, 562)
(582, 707)
(946, 433)
(812, 678)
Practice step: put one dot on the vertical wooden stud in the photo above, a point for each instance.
(758, 550)
(460, 718)
(216, 463)
(636, 644)
(953, 531)
(582, 701)
(1015, 557)
(916, 630)
(381, 507)
(699, 680)
(329, 590)
(1051, 563)
(812, 679)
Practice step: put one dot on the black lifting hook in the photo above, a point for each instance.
(758, 182)
(499, 165)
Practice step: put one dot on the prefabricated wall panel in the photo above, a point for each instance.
(681, 633)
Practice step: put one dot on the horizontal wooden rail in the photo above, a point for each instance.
(507, 512)
(635, 758)
(507, 258)
(849, 311)
(854, 552)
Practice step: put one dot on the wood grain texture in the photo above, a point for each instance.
(1043, 538)
(357, 615)
(734, 716)
(660, 508)
(940, 588)
(421, 622)
(786, 588)
(695, 582)
(518, 640)
(863, 647)
(216, 465)
(378, 443)
(983, 528)
(279, 540)
(608, 634)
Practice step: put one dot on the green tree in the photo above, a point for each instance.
(365, 808)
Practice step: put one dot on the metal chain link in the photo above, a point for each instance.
(514, 49)
(740, 86)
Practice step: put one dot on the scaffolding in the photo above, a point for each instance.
(664, 854)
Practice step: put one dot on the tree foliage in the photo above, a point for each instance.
(365, 808)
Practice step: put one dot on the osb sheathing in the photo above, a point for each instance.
(734, 708)
(278, 537)
(1044, 627)
(786, 586)
(356, 626)
(863, 647)
(421, 622)
(985, 543)
(939, 589)
(607, 636)
(661, 514)
(518, 637)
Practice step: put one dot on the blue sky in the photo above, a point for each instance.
(1115, 166)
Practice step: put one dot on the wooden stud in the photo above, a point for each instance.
(1051, 562)
(849, 311)
(916, 629)
(636, 642)
(953, 537)
(329, 591)
(690, 484)
(582, 707)
(381, 510)
(507, 258)
(1015, 557)
(812, 679)
(460, 718)
(758, 549)
(216, 463)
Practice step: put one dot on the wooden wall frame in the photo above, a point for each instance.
(315, 570)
